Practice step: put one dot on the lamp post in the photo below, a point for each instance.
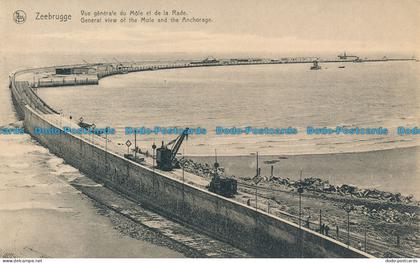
(153, 156)
(348, 208)
(256, 180)
(93, 132)
(83, 129)
(365, 237)
(135, 144)
(106, 138)
(183, 186)
(300, 191)
(256, 189)
(366, 227)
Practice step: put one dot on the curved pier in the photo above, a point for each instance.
(254, 231)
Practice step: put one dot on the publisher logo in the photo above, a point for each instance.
(19, 16)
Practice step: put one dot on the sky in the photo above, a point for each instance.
(237, 26)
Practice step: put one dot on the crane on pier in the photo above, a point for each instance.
(165, 157)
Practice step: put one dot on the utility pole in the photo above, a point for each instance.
(257, 180)
(348, 228)
(256, 186)
(256, 197)
(183, 186)
(93, 133)
(366, 227)
(106, 139)
(271, 188)
(106, 148)
(365, 237)
(300, 190)
(135, 144)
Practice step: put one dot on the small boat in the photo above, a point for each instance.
(315, 66)
(342, 67)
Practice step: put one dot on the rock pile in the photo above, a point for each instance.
(393, 216)
(323, 186)
(308, 184)
(389, 215)
(200, 169)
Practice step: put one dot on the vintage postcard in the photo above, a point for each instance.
(282, 129)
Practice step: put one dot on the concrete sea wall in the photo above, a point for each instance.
(254, 231)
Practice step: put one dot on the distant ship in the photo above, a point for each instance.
(315, 66)
(345, 56)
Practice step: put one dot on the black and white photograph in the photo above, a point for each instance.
(142, 131)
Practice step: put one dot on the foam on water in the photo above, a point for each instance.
(32, 205)
(41, 214)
